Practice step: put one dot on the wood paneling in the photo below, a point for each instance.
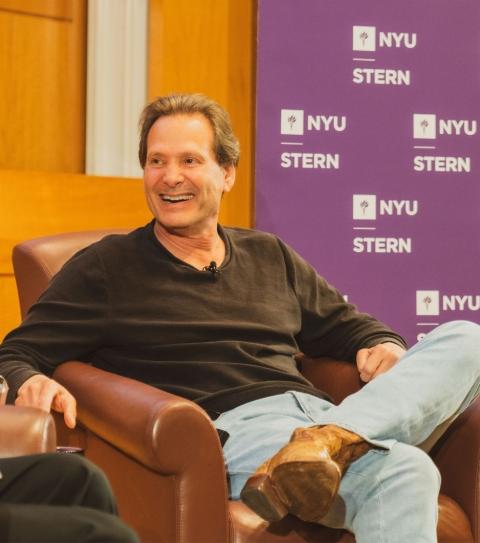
(207, 46)
(42, 85)
(36, 204)
(56, 9)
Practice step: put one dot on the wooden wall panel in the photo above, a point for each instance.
(59, 9)
(36, 204)
(42, 85)
(208, 46)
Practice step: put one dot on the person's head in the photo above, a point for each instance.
(225, 144)
(188, 152)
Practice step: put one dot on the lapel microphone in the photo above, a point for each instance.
(212, 268)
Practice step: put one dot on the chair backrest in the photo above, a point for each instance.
(37, 260)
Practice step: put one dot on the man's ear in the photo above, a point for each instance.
(230, 173)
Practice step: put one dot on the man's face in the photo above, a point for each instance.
(183, 181)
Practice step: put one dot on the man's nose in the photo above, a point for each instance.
(173, 175)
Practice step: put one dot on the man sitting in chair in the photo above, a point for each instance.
(217, 314)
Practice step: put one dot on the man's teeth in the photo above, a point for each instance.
(178, 198)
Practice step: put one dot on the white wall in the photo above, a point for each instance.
(116, 85)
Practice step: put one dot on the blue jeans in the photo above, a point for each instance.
(391, 493)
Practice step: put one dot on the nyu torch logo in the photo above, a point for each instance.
(364, 207)
(424, 126)
(364, 38)
(428, 302)
(291, 122)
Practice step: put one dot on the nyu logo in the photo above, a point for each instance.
(425, 126)
(430, 302)
(365, 39)
(292, 122)
(365, 207)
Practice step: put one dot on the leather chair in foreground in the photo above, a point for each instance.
(164, 459)
(24, 430)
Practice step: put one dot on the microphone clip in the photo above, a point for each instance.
(212, 268)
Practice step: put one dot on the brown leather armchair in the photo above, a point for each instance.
(24, 430)
(164, 459)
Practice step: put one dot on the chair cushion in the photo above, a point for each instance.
(247, 527)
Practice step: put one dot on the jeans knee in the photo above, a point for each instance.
(465, 337)
(417, 470)
(463, 331)
(409, 472)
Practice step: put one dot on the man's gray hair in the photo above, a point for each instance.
(225, 144)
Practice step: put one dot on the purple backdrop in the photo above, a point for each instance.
(368, 149)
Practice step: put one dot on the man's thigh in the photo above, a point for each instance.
(60, 479)
(22, 472)
(54, 524)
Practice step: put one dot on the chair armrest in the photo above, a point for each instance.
(25, 430)
(169, 434)
(457, 456)
(337, 378)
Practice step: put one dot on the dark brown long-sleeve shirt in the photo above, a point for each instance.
(127, 305)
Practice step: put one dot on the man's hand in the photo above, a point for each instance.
(44, 393)
(376, 360)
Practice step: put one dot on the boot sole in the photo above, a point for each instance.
(305, 489)
(260, 495)
(308, 488)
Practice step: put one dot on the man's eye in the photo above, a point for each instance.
(191, 160)
(155, 161)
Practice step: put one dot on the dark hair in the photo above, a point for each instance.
(225, 143)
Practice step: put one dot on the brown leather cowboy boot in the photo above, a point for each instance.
(303, 477)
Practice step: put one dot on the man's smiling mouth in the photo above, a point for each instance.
(172, 199)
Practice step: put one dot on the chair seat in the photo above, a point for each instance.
(247, 527)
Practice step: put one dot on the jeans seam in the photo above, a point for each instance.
(379, 524)
(380, 508)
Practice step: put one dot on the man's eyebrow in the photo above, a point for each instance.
(181, 155)
(191, 152)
